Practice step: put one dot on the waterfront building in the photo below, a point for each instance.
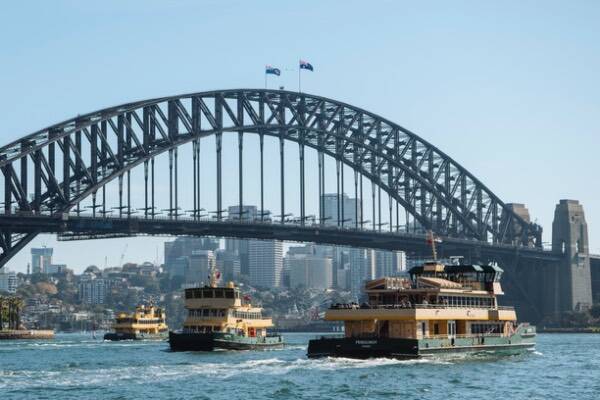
(265, 263)
(40, 259)
(8, 281)
(310, 271)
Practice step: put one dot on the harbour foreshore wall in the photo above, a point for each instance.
(26, 334)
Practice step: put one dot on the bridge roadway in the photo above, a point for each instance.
(74, 227)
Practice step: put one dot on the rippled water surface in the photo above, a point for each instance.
(564, 366)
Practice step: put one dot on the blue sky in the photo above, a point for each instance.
(508, 89)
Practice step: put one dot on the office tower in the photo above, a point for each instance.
(40, 259)
(200, 264)
(309, 271)
(265, 263)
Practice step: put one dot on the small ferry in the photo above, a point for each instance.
(222, 318)
(147, 322)
(439, 309)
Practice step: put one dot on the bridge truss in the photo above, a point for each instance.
(57, 169)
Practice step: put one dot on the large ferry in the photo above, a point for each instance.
(222, 318)
(147, 322)
(439, 309)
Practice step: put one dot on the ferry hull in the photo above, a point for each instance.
(211, 341)
(415, 348)
(116, 336)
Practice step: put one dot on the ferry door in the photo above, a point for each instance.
(451, 329)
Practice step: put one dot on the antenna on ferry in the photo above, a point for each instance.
(431, 239)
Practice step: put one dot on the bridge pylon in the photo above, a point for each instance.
(570, 237)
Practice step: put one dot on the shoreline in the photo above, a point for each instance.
(26, 334)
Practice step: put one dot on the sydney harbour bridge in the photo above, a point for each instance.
(141, 168)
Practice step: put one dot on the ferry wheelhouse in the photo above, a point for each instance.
(221, 317)
(147, 322)
(439, 309)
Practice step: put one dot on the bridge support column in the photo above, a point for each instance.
(570, 237)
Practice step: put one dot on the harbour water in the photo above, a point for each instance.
(73, 366)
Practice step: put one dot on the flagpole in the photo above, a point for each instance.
(299, 80)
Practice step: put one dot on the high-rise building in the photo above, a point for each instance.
(8, 281)
(240, 246)
(361, 267)
(40, 259)
(309, 271)
(389, 263)
(184, 247)
(349, 210)
(265, 263)
(178, 267)
(349, 214)
(248, 213)
(201, 262)
(229, 264)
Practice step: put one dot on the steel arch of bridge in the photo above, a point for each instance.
(99, 147)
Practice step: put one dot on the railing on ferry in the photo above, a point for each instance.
(414, 306)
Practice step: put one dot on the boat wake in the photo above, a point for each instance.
(78, 375)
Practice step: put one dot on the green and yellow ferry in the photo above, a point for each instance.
(146, 322)
(222, 318)
(439, 309)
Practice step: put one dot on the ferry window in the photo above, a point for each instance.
(188, 294)
(197, 294)
(205, 312)
(229, 294)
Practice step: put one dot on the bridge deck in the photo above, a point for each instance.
(73, 227)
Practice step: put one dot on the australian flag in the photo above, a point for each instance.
(306, 65)
(272, 70)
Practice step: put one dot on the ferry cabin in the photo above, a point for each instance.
(223, 309)
(145, 320)
(437, 302)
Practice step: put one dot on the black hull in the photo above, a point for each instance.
(210, 341)
(398, 348)
(119, 336)
(362, 349)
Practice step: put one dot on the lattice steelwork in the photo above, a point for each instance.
(93, 149)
